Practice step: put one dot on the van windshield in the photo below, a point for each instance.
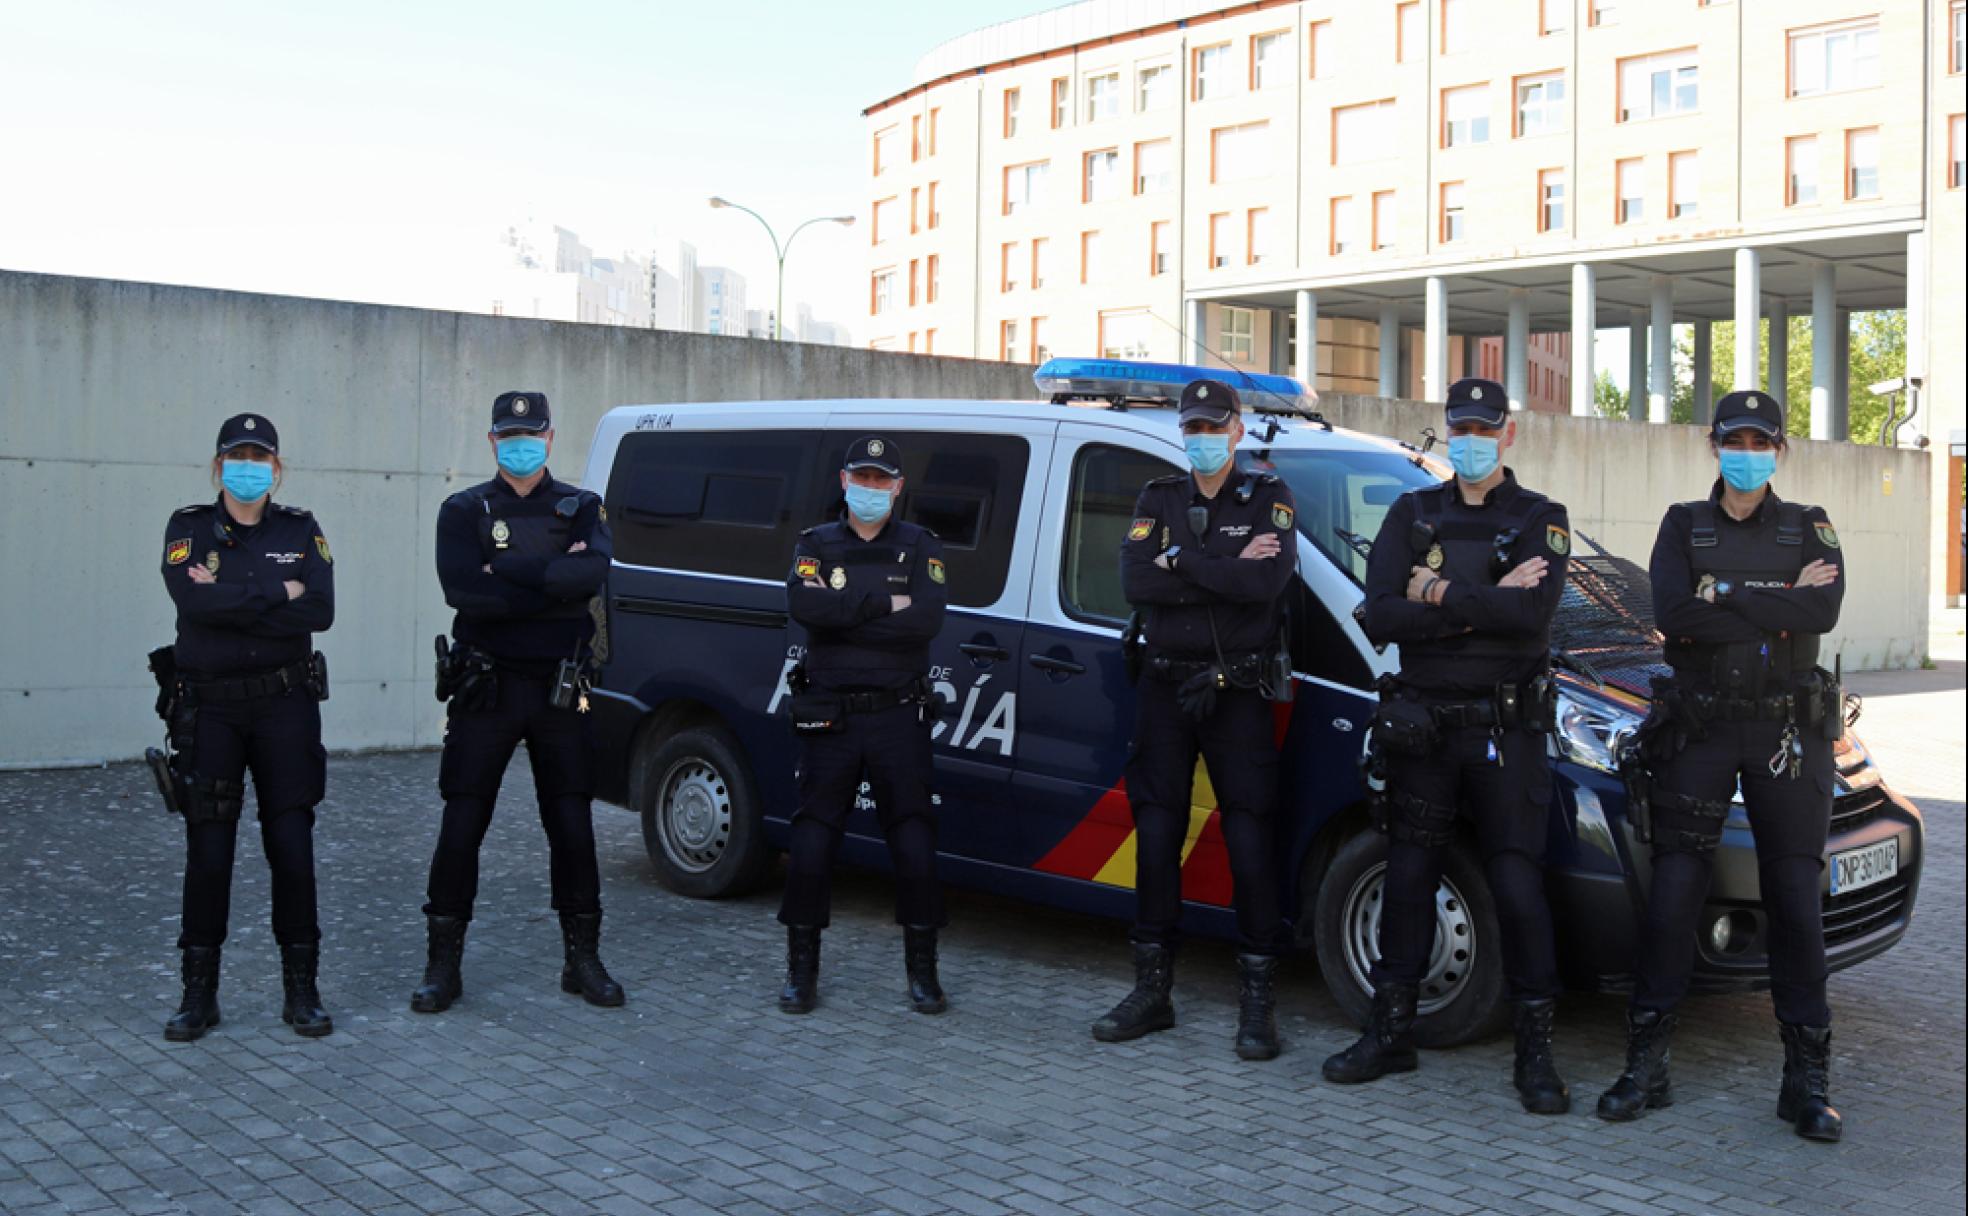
(1343, 495)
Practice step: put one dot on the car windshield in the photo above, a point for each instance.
(1343, 494)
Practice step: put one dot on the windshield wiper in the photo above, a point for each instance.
(1572, 662)
(1356, 542)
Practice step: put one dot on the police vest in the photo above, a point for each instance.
(1766, 554)
(540, 525)
(1477, 551)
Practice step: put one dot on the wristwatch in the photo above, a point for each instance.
(1172, 553)
(1723, 590)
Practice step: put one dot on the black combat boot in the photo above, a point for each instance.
(199, 1011)
(1644, 1084)
(802, 990)
(919, 956)
(1804, 1101)
(1388, 1044)
(302, 1009)
(1257, 1025)
(580, 934)
(443, 982)
(1539, 1087)
(1147, 1008)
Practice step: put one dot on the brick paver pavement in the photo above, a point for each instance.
(699, 1097)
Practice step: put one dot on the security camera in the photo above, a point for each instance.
(1885, 387)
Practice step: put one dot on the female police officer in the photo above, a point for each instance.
(252, 581)
(1744, 584)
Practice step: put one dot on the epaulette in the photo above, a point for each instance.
(290, 510)
(1171, 479)
(194, 507)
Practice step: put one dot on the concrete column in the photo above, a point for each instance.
(1585, 324)
(1824, 349)
(1517, 349)
(1749, 311)
(1916, 310)
(1196, 342)
(1390, 350)
(1660, 349)
(1779, 351)
(1435, 340)
(1704, 372)
(1636, 365)
(1305, 317)
(1841, 383)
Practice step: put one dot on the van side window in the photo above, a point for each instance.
(1106, 482)
(710, 502)
(1318, 647)
(963, 486)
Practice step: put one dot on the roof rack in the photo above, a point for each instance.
(1121, 383)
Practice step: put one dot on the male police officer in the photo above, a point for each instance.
(1206, 561)
(870, 590)
(520, 557)
(1466, 576)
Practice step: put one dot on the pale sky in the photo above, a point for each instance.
(355, 150)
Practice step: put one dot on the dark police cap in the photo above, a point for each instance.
(1477, 400)
(874, 452)
(1211, 401)
(248, 430)
(1749, 410)
(520, 412)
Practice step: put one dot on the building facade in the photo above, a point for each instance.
(723, 293)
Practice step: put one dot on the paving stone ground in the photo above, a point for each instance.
(698, 1097)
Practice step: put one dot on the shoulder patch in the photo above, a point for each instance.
(806, 567)
(177, 552)
(1557, 539)
(936, 572)
(1281, 516)
(321, 547)
(1141, 529)
(1827, 535)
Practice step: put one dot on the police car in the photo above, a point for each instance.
(1031, 500)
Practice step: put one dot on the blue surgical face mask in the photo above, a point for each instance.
(522, 455)
(1474, 456)
(868, 504)
(246, 480)
(1747, 471)
(1207, 453)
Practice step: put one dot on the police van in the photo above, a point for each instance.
(1031, 500)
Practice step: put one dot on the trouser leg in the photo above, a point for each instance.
(288, 841)
(1512, 803)
(829, 776)
(809, 874)
(217, 764)
(1237, 745)
(1423, 791)
(289, 777)
(1160, 771)
(1791, 818)
(478, 744)
(560, 751)
(899, 776)
(1690, 790)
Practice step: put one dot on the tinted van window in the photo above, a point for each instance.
(711, 502)
(1106, 482)
(1342, 495)
(1318, 647)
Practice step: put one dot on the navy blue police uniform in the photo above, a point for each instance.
(1212, 623)
(865, 711)
(242, 690)
(1748, 707)
(1463, 728)
(521, 572)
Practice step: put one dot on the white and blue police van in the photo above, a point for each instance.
(1031, 500)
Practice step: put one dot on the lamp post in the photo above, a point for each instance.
(779, 253)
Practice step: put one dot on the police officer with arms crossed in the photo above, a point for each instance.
(253, 582)
(1206, 562)
(520, 557)
(870, 589)
(1744, 585)
(1466, 576)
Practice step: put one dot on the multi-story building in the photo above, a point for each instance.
(546, 271)
(723, 292)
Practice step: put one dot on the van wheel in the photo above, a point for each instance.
(1462, 991)
(701, 820)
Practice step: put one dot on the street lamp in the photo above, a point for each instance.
(779, 252)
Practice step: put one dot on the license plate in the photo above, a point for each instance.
(1855, 869)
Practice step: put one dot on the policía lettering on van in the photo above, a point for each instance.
(985, 716)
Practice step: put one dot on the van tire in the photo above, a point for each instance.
(1348, 904)
(701, 819)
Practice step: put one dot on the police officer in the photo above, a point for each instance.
(870, 590)
(1206, 562)
(1744, 585)
(253, 581)
(520, 557)
(1466, 576)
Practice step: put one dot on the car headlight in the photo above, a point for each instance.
(1591, 731)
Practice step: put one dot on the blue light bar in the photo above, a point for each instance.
(1133, 380)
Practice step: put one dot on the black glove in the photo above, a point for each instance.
(1197, 695)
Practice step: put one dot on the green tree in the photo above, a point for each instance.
(1878, 352)
(1608, 399)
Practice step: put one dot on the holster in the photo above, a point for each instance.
(1134, 650)
(1639, 782)
(467, 674)
(317, 676)
(1373, 775)
(1824, 704)
(1403, 726)
(817, 712)
(1275, 679)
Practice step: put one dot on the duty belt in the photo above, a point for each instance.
(245, 688)
(1776, 707)
(1526, 706)
(1457, 714)
(1243, 667)
(879, 699)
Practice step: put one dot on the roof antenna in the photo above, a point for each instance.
(1244, 382)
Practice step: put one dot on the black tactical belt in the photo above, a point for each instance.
(1458, 714)
(1242, 667)
(1774, 708)
(876, 701)
(245, 688)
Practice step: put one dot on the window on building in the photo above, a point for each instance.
(1092, 270)
(1466, 116)
(1629, 191)
(1011, 97)
(915, 210)
(1269, 52)
(1955, 149)
(935, 216)
(1103, 96)
(934, 277)
(1008, 266)
(1862, 163)
(1554, 16)
(1062, 89)
(1834, 58)
(1540, 105)
(1219, 240)
(1240, 152)
(1124, 333)
(1008, 341)
(1657, 86)
(881, 291)
(883, 226)
(883, 139)
(915, 267)
(1024, 185)
(1455, 25)
(1957, 36)
(929, 341)
(1212, 71)
(912, 341)
(1408, 32)
(1257, 235)
(1383, 220)
(1363, 132)
(915, 137)
(1160, 258)
(1683, 185)
(1800, 170)
(1154, 166)
(1041, 261)
(1551, 200)
(1102, 176)
(1455, 225)
(1602, 12)
(1155, 87)
(1318, 39)
(1040, 351)
(935, 115)
(1238, 339)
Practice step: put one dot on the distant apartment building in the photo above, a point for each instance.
(545, 271)
(723, 293)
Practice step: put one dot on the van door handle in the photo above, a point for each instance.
(1065, 667)
(983, 651)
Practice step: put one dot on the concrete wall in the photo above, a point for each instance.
(111, 394)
